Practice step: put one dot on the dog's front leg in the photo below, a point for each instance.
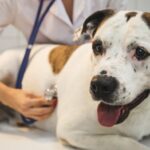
(107, 142)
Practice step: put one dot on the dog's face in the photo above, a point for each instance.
(121, 60)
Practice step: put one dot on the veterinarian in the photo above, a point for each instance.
(58, 26)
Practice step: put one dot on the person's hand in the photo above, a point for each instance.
(29, 105)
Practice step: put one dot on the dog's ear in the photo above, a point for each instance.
(90, 25)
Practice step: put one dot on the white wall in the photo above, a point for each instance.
(143, 5)
(11, 38)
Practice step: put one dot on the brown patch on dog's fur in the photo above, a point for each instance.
(129, 15)
(59, 56)
(146, 18)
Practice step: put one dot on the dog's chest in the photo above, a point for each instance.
(45, 65)
(38, 75)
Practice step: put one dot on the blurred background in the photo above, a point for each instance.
(11, 37)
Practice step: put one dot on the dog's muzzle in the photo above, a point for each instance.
(103, 87)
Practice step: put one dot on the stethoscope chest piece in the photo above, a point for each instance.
(50, 93)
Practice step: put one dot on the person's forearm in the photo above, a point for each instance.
(27, 104)
(4, 93)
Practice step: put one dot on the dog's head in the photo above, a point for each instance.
(121, 60)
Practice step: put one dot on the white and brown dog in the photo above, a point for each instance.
(103, 86)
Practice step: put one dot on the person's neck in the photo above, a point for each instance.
(68, 4)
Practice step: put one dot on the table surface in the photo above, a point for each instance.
(30, 139)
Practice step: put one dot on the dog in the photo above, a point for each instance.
(103, 86)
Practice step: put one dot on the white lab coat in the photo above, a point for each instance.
(56, 27)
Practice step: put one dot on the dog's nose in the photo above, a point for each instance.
(102, 87)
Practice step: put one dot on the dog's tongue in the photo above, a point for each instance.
(108, 115)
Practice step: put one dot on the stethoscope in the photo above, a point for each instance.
(38, 21)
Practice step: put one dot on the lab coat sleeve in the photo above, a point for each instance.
(117, 4)
(7, 12)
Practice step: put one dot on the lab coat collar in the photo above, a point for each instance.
(79, 6)
(58, 8)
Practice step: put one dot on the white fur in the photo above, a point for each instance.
(77, 112)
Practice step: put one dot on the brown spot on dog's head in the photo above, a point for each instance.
(59, 56)
(146, 18)
(94, 21)
(130, 15)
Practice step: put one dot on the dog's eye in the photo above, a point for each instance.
(98, 47)
(141, 53)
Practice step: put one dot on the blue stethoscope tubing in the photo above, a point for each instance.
(38, 21)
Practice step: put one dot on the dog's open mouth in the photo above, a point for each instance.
(109, 115)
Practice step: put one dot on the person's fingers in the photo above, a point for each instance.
(41, 117)
(42, 103)
(38, 102)
(53, 102)
(31, 95)
(40, 111)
